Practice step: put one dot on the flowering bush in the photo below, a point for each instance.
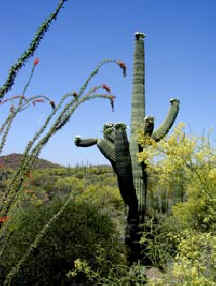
(182, 175)
(195, 262)
(181, 194)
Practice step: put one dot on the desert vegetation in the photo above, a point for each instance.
(85, 245)
(149, 218)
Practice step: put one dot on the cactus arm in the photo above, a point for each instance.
(107, 149)
(123, 160)
(124, 170)
(141, 182)
(85, 142)
(164, 128)
(148, 125)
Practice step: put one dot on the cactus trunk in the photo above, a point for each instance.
(137, 119)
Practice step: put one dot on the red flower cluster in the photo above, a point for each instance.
(36, 61)
(13, 97)
(37, 100)
(52, 103)
(3, 218)
(107, 88)
(123, 67)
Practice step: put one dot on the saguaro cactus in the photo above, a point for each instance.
(137, 116)
(131, 175)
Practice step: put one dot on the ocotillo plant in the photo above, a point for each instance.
(30, 51)
(131, 175)
(12, 194)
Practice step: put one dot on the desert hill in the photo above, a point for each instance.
(13, 161)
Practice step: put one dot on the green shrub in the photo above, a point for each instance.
(160, 240)
(119, 275)
(81, 232)
(68, 184)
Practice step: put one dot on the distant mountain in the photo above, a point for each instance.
(13, 161)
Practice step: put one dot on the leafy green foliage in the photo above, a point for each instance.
(80, 232)
(118, 275)
(178, 233)
(195, 262)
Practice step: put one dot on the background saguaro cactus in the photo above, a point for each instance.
(131, 174)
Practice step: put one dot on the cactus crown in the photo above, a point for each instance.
(109, 126)
(140, 35)
(121, 125)
(149, 118)
(174, 100)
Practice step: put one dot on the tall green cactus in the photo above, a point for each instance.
(131, 174)
(137, 117)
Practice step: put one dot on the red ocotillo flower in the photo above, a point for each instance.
(36, 61)
(107, 88)
(37, 100)
(3, 218)
(13, 97)
(75, 95)
(123, 67)
(52, 103)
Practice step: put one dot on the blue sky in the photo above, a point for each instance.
(180, 62)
